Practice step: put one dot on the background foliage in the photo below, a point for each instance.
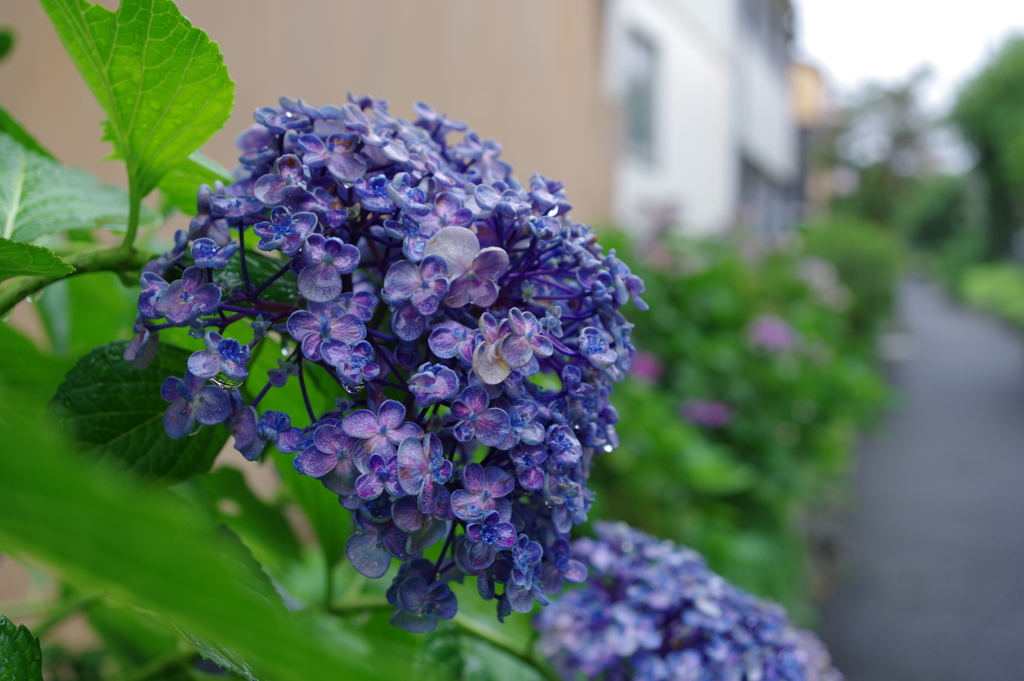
(743, 494)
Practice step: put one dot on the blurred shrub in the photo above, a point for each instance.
(963, 251)
(996, 288)
(867, 259)
(768, 342)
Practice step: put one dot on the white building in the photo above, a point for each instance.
(708, 134)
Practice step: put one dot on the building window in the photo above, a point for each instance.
(641, 74)
(770, 23)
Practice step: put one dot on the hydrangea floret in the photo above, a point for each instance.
(650, 609)
(470, 327)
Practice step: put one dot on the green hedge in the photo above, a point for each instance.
(867, 258)
(997, 288)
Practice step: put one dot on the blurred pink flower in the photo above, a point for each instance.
(707, 413)
(772, 333)
(646, 366)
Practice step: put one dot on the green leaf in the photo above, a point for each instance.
(263, 527)
(6, 42)
(20, 657)
(331, 523)
(141, 548)
(225, 657)
(27, 370)
(131, 636)
(180, 185)
(440, 655)
(162, 83)
(40, 196)
(13, 128)
(19, 259)
(115, 413)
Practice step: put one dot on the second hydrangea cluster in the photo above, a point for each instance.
(470, 326)
(652, 610)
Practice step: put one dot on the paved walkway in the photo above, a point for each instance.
(932, 584)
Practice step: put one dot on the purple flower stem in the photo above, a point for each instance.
(225, 320)
(444, 550)
(389, 384)
(274, 277)
(572, 329)
(282, 308)
(576, 317)
(241, 254)
(249, 311)
(562, 348)
(558, 296)
(383, 354)
(305, 394)
(379, 335)
(387, 242)
(235, 308)
(260, 396)
(493, 456)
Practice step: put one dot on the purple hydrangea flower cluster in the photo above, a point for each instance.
(652, 610)
(706, 413)
(772, 333)
(470, 325)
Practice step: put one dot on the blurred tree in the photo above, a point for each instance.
(933, 211)
(884, 138)
(990, 114)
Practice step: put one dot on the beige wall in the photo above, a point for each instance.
(808, 91)
(524, 72)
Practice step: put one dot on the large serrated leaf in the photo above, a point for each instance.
(141, 547)
(161, 82)
(115, 413)
(20, 657)
(224, 657)
(180, 185)
(19, 259)
(39, 196)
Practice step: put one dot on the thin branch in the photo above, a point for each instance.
(14, 290)
(305, 395)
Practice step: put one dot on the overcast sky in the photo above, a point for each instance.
(885, 40)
